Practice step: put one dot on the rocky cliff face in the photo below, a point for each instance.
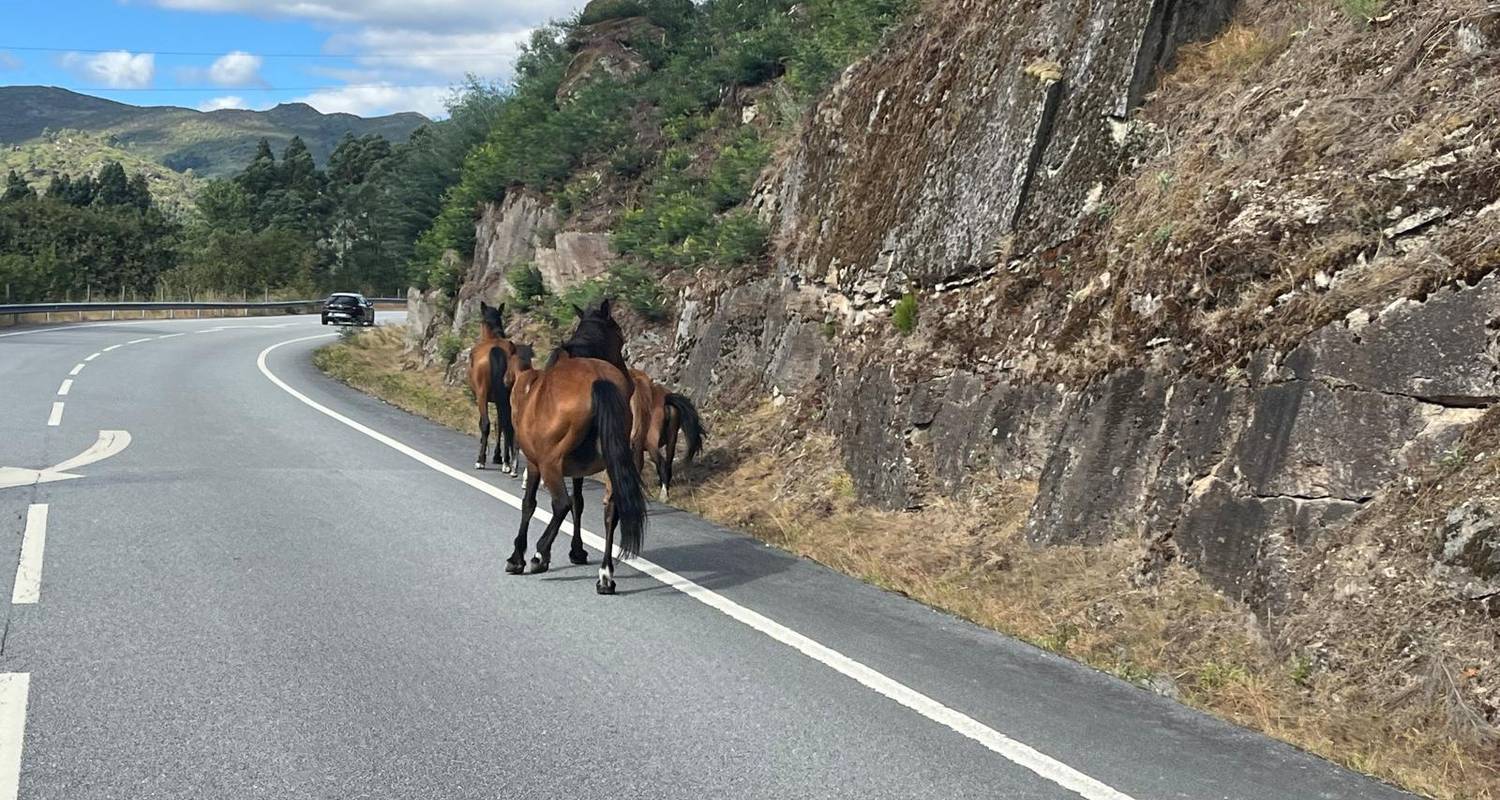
(1217, 308)
(975, 160)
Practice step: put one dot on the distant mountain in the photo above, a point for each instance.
(211, 143)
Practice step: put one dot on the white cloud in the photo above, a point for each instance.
(9, 61)
(400, 51)
(117, 70)
(491, 53)
(431, 15)
(227, 101)
(374, 100)
(236, 69)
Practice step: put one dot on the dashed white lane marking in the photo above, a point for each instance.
(55, 418)
(1016, 752)
(28, 585)
(62, 391)
(94, 356)
(138, 341)
(112, 347)
(14, 688)
(77, 368)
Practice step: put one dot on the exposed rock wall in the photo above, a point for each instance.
(972, 159)
(989, 121)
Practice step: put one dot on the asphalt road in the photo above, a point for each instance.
(282, 588)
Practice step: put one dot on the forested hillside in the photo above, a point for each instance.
(210, 143)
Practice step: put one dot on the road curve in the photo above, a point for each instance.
(279, 587)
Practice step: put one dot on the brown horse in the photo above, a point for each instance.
(488, 360)
(667, 414)
(573, 420)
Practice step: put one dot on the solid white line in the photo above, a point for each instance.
(55, 418)
(77, 368)
(62, 391)
(28, 585)
(138, 341)
(1004, 746)
(112, 347)
(94, 356)
(14, 688)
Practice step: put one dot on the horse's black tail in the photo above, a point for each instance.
(689, 421)
(627, 492)
(499, 394)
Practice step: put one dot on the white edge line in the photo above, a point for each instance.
(28, 585)
(14, 689)
(55, 418)
(67, 385)
(77, 368)
(1020, 754)
(94, 356)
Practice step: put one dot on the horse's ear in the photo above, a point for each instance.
(604, 307)
(483, 308)
(501, 309)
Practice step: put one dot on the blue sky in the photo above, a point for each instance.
(359, 56)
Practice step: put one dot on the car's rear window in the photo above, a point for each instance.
(342, 300)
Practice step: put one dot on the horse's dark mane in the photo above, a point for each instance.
(590, 340)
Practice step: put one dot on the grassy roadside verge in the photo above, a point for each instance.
(1175, 636)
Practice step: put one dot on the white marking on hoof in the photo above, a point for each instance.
(478, 465)
(605, 574)
(664, 494)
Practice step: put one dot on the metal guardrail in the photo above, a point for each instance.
(15, 311)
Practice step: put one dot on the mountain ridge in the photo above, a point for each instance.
(210, 143)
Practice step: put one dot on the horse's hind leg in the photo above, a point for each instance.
(484, 434)
(561, 504)
(665, 457)
(606, 584)
(516, 564)
(576, 553)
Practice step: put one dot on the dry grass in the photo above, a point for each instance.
(372, 361)
(1178, 636)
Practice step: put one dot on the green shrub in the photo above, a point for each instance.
(739, 238)
(629, 162)
(639, 289)
(904, 315)
(734, 171)
(449, 347)
(526, 285)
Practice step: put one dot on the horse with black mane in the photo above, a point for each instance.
(488, 361)
(668, 414)
(572, 420)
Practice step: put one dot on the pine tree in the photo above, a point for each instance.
(16, 188)
(112, 188)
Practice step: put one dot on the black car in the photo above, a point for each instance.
(344, 308)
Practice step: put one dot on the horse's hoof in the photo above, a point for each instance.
(605, 588)
(478, 465)
(664, 494)
(578, 558)
(538, 566)
(515, 568)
